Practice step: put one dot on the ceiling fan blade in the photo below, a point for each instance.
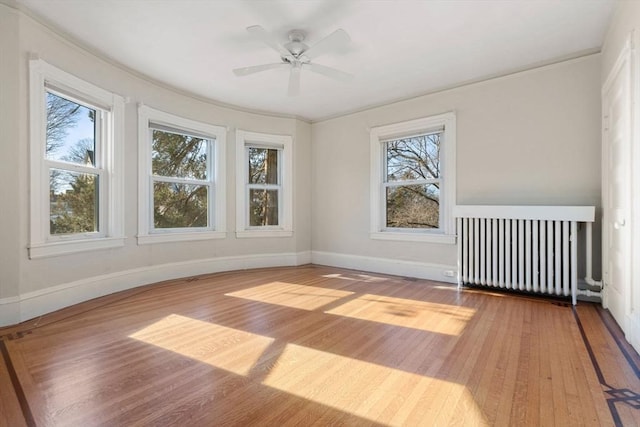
(333, 41)
(268, 39)
(329, 72)
(294, 81)
(245, 71)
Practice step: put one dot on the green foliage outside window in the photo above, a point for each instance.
(263, 177)
(179, 157)
(75, 210)
(73, 198)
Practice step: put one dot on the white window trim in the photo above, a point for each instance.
(285, 143)
(378, 135)
(41, 75)
(146, 233)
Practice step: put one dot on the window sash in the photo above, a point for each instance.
(264, 186)
(279, 150)
(385, 159)
(102, 117)
(411, 182)
(101, 123)
(208, 183)
(385, 183)
(276, 188)
(211, 141)
(386, 227)
(249, 186)
(99, 213)
(188, 181)
(405, 183)
(210, 211)
(179, 131)
(413, 134)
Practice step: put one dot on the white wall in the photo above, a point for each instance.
(31, 287)
(625, 26)
(527, 138)
(10, 155)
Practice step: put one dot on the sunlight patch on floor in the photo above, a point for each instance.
(368, 390)
(426, 316)
(363, 389)
(226, 348)
(291, 295)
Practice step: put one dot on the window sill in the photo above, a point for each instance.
(44, 250)
(148, 239)
(242, 234)
(448, 239)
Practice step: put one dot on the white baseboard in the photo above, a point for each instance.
(9, 310)
(33, 304)
(14, 310)
(420, 270)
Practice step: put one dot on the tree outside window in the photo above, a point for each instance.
(412, 181)
(74, 173)
(181, 184)
(264, 186)
(264, 196)
(76, 164)
(181, 178)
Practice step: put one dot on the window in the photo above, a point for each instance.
(182, 185)
(413, 180)
(264, 197)
(76, 164)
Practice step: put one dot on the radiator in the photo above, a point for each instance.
(525, 248)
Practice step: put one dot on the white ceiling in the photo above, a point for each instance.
(399, 49)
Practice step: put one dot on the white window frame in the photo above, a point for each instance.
(284, 144)
(216, 229)
(378, 138)
(43, 77)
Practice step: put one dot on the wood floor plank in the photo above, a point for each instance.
(10, 411)
(622, 383)
(315, 345)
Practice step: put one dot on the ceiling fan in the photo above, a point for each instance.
(297, 55)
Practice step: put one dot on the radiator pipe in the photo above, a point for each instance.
(589, 293)
(589, 245)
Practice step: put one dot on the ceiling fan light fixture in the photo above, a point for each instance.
(296, 43)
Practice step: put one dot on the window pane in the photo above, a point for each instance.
(412, 158)
(70, 131)
(413, 206)
(73, 199)
(179, 205)
(263, 166)
(263, 207)
(179, 156)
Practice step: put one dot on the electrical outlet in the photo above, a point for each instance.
(448, 273)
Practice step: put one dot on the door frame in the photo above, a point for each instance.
(626, 62)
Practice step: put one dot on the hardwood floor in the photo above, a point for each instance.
(317, 346)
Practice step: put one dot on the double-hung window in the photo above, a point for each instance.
(76, 164)
(264, 196)
(181, 178)
(413, 180)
